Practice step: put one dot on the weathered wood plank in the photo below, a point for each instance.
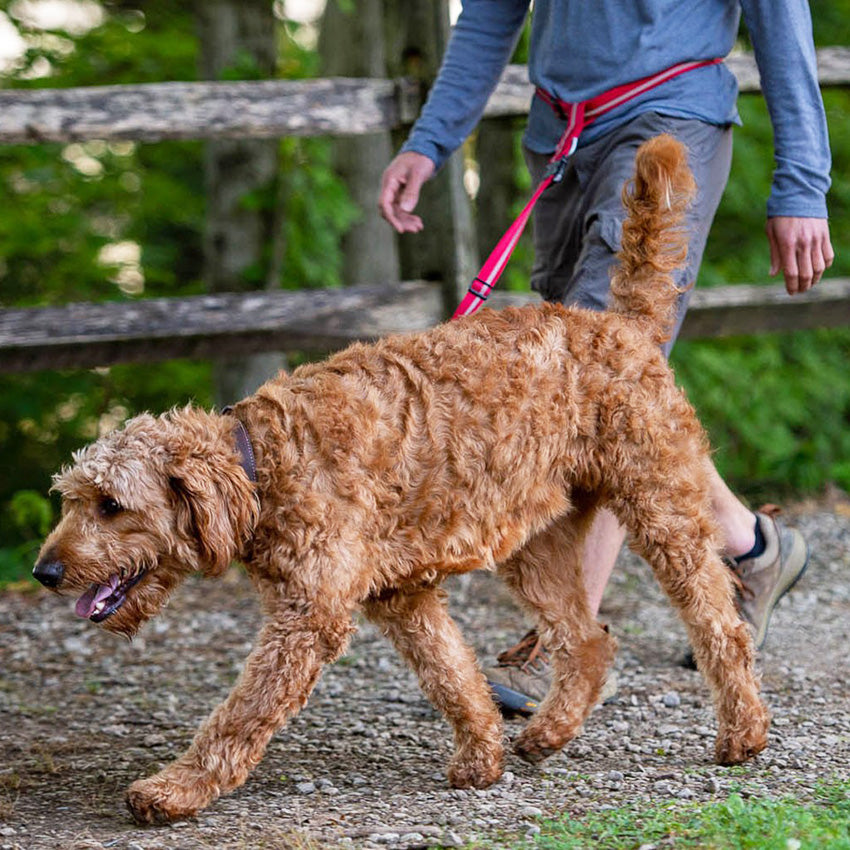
(157, 111)
(86, 335)
(271, 108)
(748, 309)
(317, 321)
(514, 91)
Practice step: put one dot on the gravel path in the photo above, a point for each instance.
(82, 714)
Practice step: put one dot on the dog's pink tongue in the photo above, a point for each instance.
(87, 603)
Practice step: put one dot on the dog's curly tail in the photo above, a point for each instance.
(654, 243)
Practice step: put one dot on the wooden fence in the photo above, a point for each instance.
(84, 335)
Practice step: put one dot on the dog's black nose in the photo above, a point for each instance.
(49, 572)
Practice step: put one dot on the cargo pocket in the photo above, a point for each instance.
(611, 231)
(589, 287)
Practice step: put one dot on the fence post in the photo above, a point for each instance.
(241, 241)
(351, 44)
(417, 33)
(497, 188)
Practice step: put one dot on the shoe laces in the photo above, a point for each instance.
(529, 654)
(742, 590)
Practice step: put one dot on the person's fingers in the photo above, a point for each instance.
(819, 259)
(410, 196)
(805, 266)
(391, 184)
(801, 248)
(783, 251)
(400, 187)
(788, 263)
(775, 264)
(407, 201)
(828, 253)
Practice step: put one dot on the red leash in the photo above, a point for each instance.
(578, 116)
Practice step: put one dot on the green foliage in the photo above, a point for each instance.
(31, 515)
(317, 210)
(68, 206)
(776, 407)
(31, 512)
(733, 824)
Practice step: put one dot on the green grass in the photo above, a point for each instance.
(732, 824)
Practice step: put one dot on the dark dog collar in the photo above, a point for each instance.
(243, 445)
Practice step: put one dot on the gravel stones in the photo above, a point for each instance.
(83, 714)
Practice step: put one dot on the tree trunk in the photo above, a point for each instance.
(497, 189)
(351, 45)
(417, 34)
(241, 240)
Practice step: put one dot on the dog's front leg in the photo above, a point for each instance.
(419, 625)
(279, 674)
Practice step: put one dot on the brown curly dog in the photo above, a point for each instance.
(485, 442)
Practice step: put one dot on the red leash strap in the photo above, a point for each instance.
(578, 116)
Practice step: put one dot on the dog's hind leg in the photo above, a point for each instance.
(296, 640)
(546, 578)
(419, 625)
(671, 524)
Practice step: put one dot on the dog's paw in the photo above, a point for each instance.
(735, 745)
(161, 800)
(478, 769)
(536, 743)
(736, 749)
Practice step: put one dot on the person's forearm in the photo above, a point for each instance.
(781, 33)
(480, 46)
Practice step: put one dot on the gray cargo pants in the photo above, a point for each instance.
(577, 222)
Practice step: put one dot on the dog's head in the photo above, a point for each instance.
(144, 507)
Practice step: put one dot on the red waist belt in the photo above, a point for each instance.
(578, 116)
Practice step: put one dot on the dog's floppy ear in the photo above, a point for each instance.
(214, 501)
(203, 516)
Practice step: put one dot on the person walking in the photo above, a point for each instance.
(659, 62)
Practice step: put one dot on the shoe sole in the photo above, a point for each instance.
(512, 703)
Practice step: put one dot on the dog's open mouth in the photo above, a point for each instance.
(102, 600)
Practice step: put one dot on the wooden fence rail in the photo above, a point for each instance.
(271, 108)
(86, 335)
(317, 321)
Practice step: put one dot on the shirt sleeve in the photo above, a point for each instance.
(781, 34)
(480, 47)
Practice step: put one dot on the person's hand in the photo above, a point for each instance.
(799, 247)
(400, 187)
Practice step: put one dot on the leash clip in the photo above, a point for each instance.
(557, 169)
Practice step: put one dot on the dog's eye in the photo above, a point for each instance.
(109, 507)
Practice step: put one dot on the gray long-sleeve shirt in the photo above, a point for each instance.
(581, 48)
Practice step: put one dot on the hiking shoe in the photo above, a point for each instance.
(766, 579)
(523, 675)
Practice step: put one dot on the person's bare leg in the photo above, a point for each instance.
(601, 547)
(737, 522)
(606, 535)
